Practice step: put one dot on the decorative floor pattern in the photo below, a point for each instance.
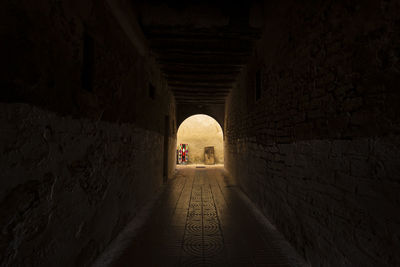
(200, 220)
(203, 241)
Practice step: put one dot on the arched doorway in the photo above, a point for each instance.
(200, 141)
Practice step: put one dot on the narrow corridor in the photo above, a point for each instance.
(95, 103)
(200, 220)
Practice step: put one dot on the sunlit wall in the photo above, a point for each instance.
(200, 131)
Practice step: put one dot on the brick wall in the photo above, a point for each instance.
(319, 150)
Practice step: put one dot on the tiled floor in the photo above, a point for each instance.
(200, 220)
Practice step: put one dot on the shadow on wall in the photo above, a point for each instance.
(198, 132)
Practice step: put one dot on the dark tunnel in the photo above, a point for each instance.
(306, 93)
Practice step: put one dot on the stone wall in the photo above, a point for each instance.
(75, 58)
(317, 146)
(68, 185)
(82, 119)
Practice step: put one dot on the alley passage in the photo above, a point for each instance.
(200, 220)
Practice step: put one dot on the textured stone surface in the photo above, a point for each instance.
(319, 150)
(84, 152)
(69, 186)
(335, 200)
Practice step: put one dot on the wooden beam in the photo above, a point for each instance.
(210, 95)
(175, 84)
(169, 72)
(207, 96)
(236, 62)
(191, 52)
(200, 87)
(199, 101)
(199, 45)
(224, 32)
(201, 77)
(182, 68)
(205, 58)
(205, 90)
(198, 81)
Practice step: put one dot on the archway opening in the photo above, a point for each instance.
(200, 141)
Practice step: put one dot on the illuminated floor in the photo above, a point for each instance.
(201, 220)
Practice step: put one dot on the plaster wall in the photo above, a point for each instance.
(200, 131)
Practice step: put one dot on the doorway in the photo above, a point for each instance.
(201, 137)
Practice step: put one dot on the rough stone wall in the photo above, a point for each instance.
(319, 150)
(81, 134)
(68, 185)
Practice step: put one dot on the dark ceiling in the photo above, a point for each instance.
(200, 48)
